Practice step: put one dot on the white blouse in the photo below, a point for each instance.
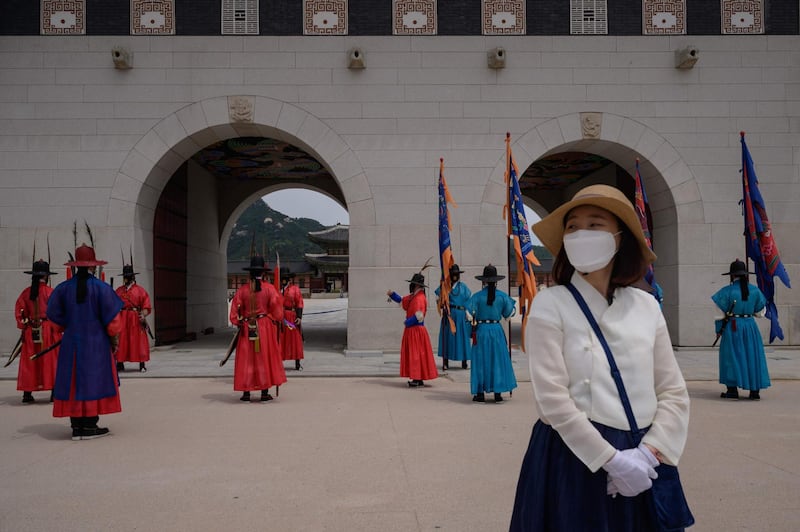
(572, 381)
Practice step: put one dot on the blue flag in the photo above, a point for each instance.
(760, 242)
(446, 259)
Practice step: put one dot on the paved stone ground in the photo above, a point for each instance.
(360, 451)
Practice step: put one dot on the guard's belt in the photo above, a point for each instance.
(458, 307)
(742, 315)
(488, 321)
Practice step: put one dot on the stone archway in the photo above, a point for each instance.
(174, 140)
(672, 190)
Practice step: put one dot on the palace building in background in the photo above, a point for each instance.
(113, 111)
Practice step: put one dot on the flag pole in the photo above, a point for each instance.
(508, 226)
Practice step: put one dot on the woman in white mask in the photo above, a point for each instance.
(592, 461)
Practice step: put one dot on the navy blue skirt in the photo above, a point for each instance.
(557, 492)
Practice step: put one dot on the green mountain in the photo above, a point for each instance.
(277, 232)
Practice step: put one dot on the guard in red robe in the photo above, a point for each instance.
(87, 384)
(416, 353)
(134, 346)
(292, 337)
(38, 333)
(256, 310)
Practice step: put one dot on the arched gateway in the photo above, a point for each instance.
(180, 219)
(673, 194)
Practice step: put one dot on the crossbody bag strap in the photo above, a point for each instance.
(615, 374)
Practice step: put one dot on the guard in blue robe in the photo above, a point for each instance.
(742, 362)
(86, 383)
(491, 362)
(456, 345)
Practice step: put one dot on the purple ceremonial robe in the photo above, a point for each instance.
(85, 345)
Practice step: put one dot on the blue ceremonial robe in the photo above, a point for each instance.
(742, 362)
(491, 364)
(85, 345)
(458, 345)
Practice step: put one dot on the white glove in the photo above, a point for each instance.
(630, 472)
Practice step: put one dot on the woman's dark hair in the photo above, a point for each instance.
(35, 282)
(744, 287)
(256, 276)
(83, 275)
(629, 262)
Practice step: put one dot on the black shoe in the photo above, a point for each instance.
(498, 398)
(298, 366)
(754, 395)
(51, 397)
(142, 368)
(414, 384)
(27, 397)
(730, 393)
(245, 397)
(76, 434)
(265, 396)
(480, 398)
(120, 366)
(463, 364)
(91, 433)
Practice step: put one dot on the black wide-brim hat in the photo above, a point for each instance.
(41, 268)
(456, 269)
(737, 268)
(417, 279)
(256, 264)
(489, 275)
(127, 271)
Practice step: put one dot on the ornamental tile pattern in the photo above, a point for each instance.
(742, 16)
(588, 17)
(240, 17)
(152, 17)
(414, 17)
(325, 17)
(503, 17)
(63, 17)
(664, 17)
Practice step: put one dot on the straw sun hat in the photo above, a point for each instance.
(551, 229)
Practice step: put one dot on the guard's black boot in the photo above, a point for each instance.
(297, 365)
(265, 396)
(245, 397)
(142, 368)
(463, 364)
(120, 366)
(498, 398)
(445, 364)
(754, 395)
(27, 397)
(730, 393)
(51, 396)
(479, 398)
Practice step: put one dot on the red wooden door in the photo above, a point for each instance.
(170, 234)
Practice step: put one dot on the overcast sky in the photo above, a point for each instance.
(302, 203)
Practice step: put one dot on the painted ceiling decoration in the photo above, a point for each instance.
(560, 170)
(246, 158)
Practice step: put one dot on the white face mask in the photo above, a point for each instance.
(589, 251)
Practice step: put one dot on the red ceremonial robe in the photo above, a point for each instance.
(291, 338)
(416, 353)
(134, 345)
(39, 374)
(258, 364)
